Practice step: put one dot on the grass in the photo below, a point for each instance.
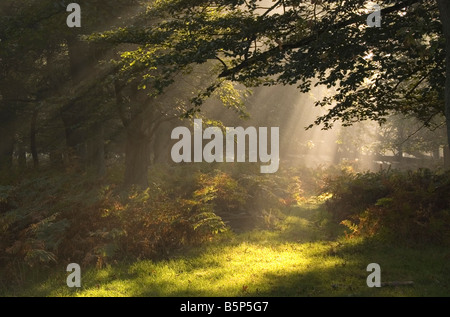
(301, 255)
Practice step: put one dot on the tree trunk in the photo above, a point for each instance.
(136, 161)
(96, 150)
(6, 148)
(7, 131)
(444, 10)
(73, 113)
(437, 153)
(76, 152)
(399, 154)
(137, 150)
(84, 126)
(33, 146)
(446, 157)
(21, 154)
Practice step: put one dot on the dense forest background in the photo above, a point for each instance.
(86, 115)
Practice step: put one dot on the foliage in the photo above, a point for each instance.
(409, 207)
(297, 260)
(61, 217)
(221, 190)
(51, 217)
(239, 193)
(370, 72)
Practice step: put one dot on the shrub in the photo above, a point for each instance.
(221, 190)
(68, 217)
(398, 206)
(51, 217)
(149, 223)
(352, 192)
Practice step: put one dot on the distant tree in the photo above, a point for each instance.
(25, 40)
(143, 109)
(402, 135)
(398, 137)
(49, 74)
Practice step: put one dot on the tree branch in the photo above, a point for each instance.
(309, 39)
(417, 131)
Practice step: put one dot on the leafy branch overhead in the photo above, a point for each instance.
(369, 72)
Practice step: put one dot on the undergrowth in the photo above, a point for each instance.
(403, 207)
(50, 217)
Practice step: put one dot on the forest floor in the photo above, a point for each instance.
(302, 254)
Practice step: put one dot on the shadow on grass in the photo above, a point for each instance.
(427, 269)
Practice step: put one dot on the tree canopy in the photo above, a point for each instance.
(370, 72)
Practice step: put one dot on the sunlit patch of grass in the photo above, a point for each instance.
(242, 269)
(300, 258)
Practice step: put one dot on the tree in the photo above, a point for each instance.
(398, 68)
(49, 74)
(444, 8)
(394, 141)
(59, 84)
(144, 109)
(21, 70)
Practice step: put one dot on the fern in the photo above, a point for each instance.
(208, 222)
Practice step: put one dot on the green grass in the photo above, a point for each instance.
(304, 256)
